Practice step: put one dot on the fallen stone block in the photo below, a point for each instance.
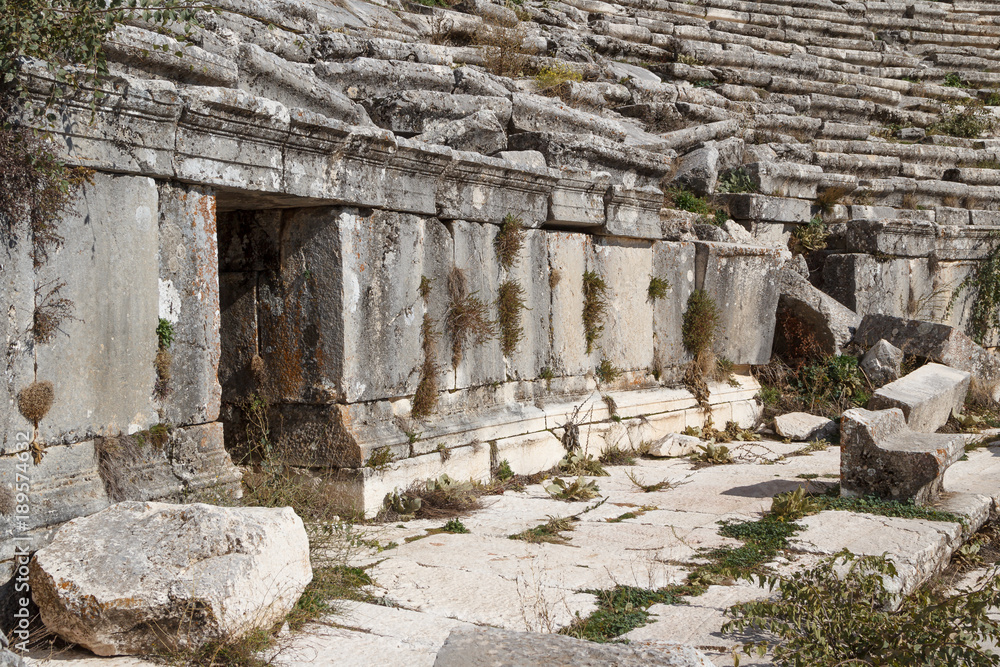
(480, 132)
(802, 427)
(926, 396)
(881, 456)
(882, 363)
(832, 323)
(492, 647)
(142, 577)
(940, 343)
(675, 444)
(699, 169)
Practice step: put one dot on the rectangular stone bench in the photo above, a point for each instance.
(880, 456)
(926, 396)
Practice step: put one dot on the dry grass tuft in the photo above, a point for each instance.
(504, 49)
(426, 396)
(35, 401)
(510, 303)
(509, 241)
(594, 304)
(467, 320)
(50, 312)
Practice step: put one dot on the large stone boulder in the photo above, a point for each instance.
(493, 647)
(927, 396)
(139, 577)
(880, 456)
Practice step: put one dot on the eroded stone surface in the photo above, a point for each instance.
(927, 396)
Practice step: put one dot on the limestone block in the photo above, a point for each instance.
(189, 300)
(633, 213)
(149, 52)
(675, 263)
(567, 262)
(534, 113)
(480, 132)
(882, 363)
(101, 361)
(938, 342)
(415, 111)
(144, 111)
(484, 646)
(415, 172)
(675, 444)
(475, 257)
(295, 85)
(343, 318)
(483, 189)
(699, 169)
(783, 179)
(761, 208)
(743, 282)
(803, 427)
(531, 271)
(866, 285)
(626, 266)
(126, 580)
(231, 138)
(328, 159)
(578, 198)
(926, 396)
(368, 78)
(832, 324)
(880, 456)
(531, 453)
(17, 299)
(63, 486)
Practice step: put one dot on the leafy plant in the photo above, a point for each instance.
(402, 504)
(894, 508)
(594, 304)
(701, 321)
(841, 612)
(793, 505)
(621, 610)
(968, 122)
(984, 281)
(549, 531)
(550, 77)
(165, 333)
(954, 80)
(613, 455)
(454, 526)
(380, 458)
(809, 237)
(578, 463)
(504, 471)
(686, 200)
(607, 372)
(577, 490)
(713, 454)
(658, 288)
(736, 181)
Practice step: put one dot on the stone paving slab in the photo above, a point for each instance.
(442, 581)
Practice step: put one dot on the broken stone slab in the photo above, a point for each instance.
(784, 179)
(881, 456)
(142, 52)
(927, 396)
(803, 427)
(882, 363)
(832, 323)
(481, 132)
(940, 343)
(699, 169)
(675, 444)
(415, 111)
(142, 577)
(8, 659)
(492, 647)
(633, 212)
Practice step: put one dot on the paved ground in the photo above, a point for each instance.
(442, 581)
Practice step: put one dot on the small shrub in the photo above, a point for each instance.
(792, 505)
(968, 122)
(35, 401)
(736, 181)
(50, 313)
(454, 526)
(550, 77)
(578, 463)
(984, 280)
(831, 197)
(577, 490)
(165, 333)
(467, 319)
(380, 458)
(425, 287)
(594, 304)
(607, 372)
(713, 454)
(841, 612)
(701, 321)
(547, 532)
(504, 471)
(954, 80)
(613, 455)
(509, 241)
(809, 237)
(686, 200)
(685, 59)
(658, 288)
(510, 303)
(504, 49)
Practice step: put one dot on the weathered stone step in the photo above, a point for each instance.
(927, 396)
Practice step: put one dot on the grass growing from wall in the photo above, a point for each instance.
(426, 396)
(510, 303)
(984, 281)
(698, 330)
(468, 319)
(509, 241)
(594, 305)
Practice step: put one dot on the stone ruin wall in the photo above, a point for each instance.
(278, 194)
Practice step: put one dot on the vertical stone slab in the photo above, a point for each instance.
(532, 272)
(238, 340)
(300, 308)
(475, 255)
(189, 300)
(17, 297)
(567, 263)
(101, 362)
(743, 282)
(438, 259)
(674, 262)
(866, 284)
(626, 266)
